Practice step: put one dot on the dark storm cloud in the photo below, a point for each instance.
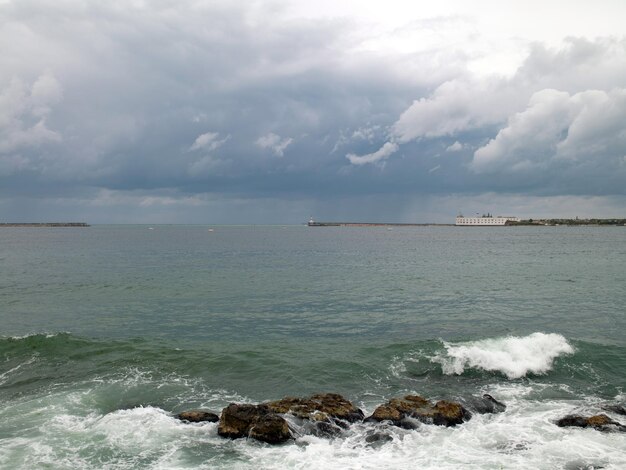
(196, 101)
(141, 86)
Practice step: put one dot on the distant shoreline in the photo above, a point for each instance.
(521, 223)
(569, 222)
(45, 224)
(371, 224)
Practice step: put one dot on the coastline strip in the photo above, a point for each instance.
(44, 224)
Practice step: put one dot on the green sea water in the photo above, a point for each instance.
(109, 331)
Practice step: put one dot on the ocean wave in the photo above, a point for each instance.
(43, 334)
(513, 356)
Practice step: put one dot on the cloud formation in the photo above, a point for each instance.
(23, 113)
(208, 141)
(561, 133)
(388, 149)
(274, 143)
(187, 101)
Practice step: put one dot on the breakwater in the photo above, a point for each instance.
(45, 224)
(372, 224)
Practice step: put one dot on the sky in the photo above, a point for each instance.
(236, 112)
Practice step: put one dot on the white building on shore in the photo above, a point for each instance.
(484, 220)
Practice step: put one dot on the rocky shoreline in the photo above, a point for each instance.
(329, 414)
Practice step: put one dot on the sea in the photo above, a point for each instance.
(107, 332)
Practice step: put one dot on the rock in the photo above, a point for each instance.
(255, 421)
(617, 409)
(448, 413)
(377, 439)
(400, 410)
(271, 428)
(198, 416)
(387, 413)
(600, 422)
(326, 429)
(485, 404)
(319, 407)
(572, 420)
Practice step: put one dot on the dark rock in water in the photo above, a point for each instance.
(319, 407)
(270, 428)
(496, 406)
(255, 421)
(485, 404)
(617, 409)
(409, 423)
(601, 422)
(442, 413)
(378, 438)
(198, 416)
(322, 428)
(572, 420)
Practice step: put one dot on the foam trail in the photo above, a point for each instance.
(513, 356)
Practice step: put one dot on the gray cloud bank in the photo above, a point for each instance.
(213, 112)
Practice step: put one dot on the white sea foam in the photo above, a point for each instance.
(62, 430)
(524, 436)
(513, 356)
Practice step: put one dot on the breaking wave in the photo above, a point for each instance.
(513, 356)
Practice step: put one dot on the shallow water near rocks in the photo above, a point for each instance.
(109, 331)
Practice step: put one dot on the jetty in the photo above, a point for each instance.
(43, 224)
(371, 224)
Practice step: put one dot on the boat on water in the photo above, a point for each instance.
(484, 220)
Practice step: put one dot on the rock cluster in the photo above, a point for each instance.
(319, 407)
(600, 422)
(256, 421)
(404, 411)
(328, 414)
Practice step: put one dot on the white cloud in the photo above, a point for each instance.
(365, 133)
(23, 113)
(559, 129)
(208, 141)
(274, 142)
(388, 149)
(455, 147)
(470, 102)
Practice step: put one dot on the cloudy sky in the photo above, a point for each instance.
(193, 111)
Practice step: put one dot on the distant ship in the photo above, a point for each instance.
(483, 220)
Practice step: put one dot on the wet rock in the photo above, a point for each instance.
(377, 439)
(400, 410)
(387, 413)
(327, 429)
(572, 420)
(448, 413)
(322, 407)
(198, 416)
(600, 422)
(255, 421)
(270, 428)
(617, 409)
(484, 405)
